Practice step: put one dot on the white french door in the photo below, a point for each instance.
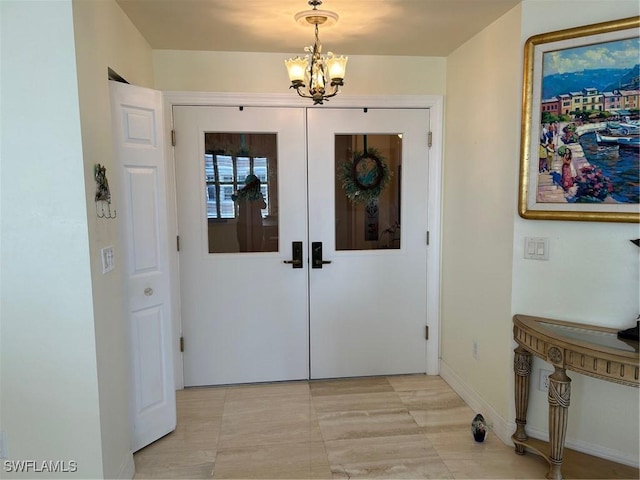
(368, 306)
(258, 303)
(244, 313)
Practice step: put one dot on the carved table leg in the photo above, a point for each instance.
(522, 369)
(559, 395)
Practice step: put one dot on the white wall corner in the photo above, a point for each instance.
(128, 468)
(497, 423)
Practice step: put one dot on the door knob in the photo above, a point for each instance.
(316, 255)
(296, 255)
(148, 291)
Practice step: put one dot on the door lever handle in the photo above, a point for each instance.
(296, 255)
(316, 255)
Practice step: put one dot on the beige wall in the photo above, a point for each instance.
(49, 386)
(592, 273)
(483, 89)
(177, 70)
(105, 37)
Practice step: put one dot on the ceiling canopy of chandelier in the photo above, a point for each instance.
(314, 75)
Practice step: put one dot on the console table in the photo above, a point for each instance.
(586, 349)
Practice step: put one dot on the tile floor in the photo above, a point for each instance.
(412, 426)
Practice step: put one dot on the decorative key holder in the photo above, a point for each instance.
(103, 194)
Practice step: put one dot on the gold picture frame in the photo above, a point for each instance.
(599, 185)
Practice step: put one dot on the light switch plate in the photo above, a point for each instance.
(536, 248)
(108, 260)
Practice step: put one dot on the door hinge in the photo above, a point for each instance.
(178, 242)
(427, 237)
(182, 344)
(426, 332)
(429, 139)
(173, 138)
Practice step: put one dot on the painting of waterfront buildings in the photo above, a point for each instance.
(589, 131)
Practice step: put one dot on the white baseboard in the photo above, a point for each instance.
(128, 468)
(503, 429)
(497, 424)
(588, 448)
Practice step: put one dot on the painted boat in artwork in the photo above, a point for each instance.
(628, 141)
(623, 128)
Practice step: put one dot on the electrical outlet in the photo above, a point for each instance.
(475, 349)
(543, 382)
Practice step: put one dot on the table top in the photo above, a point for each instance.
(589, 349)
(596, 337)
(591, 336)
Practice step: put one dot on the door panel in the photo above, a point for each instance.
(244, 310)
(368, 306)
(139, 162)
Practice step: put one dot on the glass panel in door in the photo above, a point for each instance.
(367, 191)
(241, 191)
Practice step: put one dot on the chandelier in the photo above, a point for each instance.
(316, 76)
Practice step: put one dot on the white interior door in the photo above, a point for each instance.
(368, 306)
(140, 164)
(244, 311)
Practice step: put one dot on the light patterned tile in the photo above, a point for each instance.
(437, 397)
(467, 458)
(404, 456)
(180, 462)
(506, 465)
(193, 470)
(200, 404)
(458, 444)
(361, 424)
(278, 389)
(403, 383)
(358, 402)
(238, 430)
(270, 407)
(300, 460)
(456, 418)
(350, 385)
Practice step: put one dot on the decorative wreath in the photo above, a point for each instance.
(364, 176)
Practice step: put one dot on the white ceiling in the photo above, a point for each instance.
(365, 27)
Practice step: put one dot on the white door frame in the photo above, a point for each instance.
(435, 104)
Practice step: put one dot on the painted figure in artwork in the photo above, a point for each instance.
(567, 175)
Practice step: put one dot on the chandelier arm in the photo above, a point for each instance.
(335, 91)
(299, 93)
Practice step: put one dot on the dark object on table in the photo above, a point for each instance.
(479, 428)
(636, 241)
(630, 333)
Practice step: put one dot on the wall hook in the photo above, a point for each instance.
(103, 210)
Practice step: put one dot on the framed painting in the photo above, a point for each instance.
(580, 142)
